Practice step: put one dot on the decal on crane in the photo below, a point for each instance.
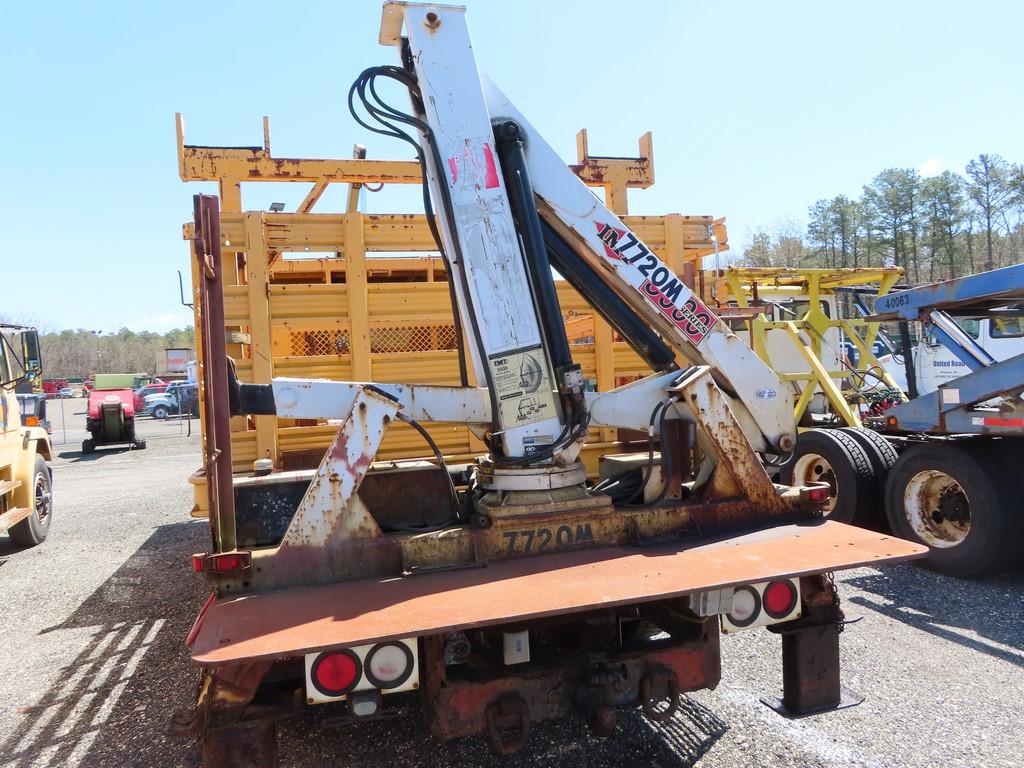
(659, 286)
(523, 386)
(470, 160)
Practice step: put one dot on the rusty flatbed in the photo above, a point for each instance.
(294, 621)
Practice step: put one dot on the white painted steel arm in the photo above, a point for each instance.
(628, 406)
(325, 399)
(650, 288)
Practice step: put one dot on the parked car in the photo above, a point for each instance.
(65, 392)
(148, 389)
(177, 398)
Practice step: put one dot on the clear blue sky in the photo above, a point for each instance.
(757, 109)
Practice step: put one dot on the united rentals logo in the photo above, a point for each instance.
(660, 286)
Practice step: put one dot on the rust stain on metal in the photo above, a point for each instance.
(458, 708)
(339, 449)
(371, 610)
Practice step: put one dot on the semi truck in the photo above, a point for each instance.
(961, 440)
(934, 467)
(26, 482)
(512, 588)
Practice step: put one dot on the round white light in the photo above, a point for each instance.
(744, 604)
(388, 663)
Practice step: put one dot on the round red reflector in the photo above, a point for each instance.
(389, 665)
(336, 673)
(779, 598)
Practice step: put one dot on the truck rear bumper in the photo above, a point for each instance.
(295, 621)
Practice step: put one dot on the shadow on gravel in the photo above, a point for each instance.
(679, 743)
(77, 456)
(111, 704)
(8, 548)
(941, 605)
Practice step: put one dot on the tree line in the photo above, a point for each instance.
(936, 228)
(82, 353)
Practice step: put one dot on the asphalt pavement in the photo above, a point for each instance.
(93, 663)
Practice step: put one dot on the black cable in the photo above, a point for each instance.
(661, 410)
(607, 486)
(381, 111)
(453, 496)
(649, 468)
(567, 436)
(365, 88)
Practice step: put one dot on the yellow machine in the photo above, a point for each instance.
(794, 323)
(25, 477)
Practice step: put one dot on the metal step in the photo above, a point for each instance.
(13, 516)
(6, 486)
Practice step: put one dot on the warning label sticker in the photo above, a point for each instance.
(522, 387)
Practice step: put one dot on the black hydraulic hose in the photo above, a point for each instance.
(365, 88)
(386, 116)
(509, 138)
(606, 302)
(606, 485)
(453, 496)
(660, 411)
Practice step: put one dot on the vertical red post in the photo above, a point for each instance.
(216, 407)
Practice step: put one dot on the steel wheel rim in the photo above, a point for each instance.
(937, 509)
(814, 468)
(42, 497)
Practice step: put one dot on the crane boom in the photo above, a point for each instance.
(461, 106)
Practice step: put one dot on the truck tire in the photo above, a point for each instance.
(33, 529)
(955, 502)
(160, 412)
(831, 456)
(882, 455)
(88, 445)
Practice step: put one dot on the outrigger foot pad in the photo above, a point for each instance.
(847, 699)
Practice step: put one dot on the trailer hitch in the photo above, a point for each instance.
(603, 689)
(659, 684)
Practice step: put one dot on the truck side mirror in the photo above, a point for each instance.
(32, 360)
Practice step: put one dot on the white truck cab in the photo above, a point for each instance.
(1001, 337)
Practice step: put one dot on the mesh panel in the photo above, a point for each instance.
(319, 342)
(404, 338)
(412, 338)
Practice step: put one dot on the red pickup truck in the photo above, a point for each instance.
(139, 394)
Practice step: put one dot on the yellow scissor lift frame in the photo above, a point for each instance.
(754, 287)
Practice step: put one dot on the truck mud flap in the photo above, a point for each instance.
(295, 621)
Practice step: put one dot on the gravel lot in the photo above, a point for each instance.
(93, 664)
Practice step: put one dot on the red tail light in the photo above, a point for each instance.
(815, 493)
(760, 605)
(779, 598)
(221, 562)
(335, 673)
